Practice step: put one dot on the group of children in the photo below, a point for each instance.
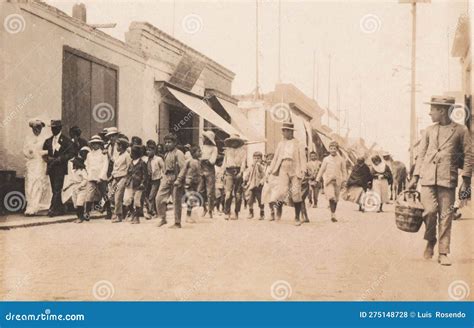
(130, 179)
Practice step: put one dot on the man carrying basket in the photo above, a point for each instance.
(445, 147)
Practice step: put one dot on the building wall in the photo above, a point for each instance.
(31, 68)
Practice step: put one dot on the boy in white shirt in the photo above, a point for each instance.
(333, 172)
(97, 164)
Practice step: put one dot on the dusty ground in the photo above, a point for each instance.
(362, 257)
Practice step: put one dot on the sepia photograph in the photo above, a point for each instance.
(244, 150)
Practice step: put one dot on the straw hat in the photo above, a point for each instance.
(111, 131)
(234, 141)
(442, 101)
(209, 135)
(96, 139)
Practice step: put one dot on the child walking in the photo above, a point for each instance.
(333, 172)
(253, 184)
(135, 183)
(97, 164)
(155, 167)
(77, 184)
(220, 195)
(190, 177)
(312, 169)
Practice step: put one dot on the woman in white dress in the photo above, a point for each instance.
(37, 188)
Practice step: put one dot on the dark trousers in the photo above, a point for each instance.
(233, 188)
(256, 195)
(57, 181)
(313, 194)
(207, 185)
(151, 195)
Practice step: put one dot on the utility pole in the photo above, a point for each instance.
(257, 86)
(314, 72)
(279, 41)
(174, 16)
(338, 111)
(329, 87)
(413, 77)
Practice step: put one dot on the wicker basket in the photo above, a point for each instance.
(409, 211)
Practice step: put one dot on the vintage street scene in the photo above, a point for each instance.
(251, 150)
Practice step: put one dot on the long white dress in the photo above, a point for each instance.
(37, 186)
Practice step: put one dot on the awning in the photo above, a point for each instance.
(324, 138)
(202, 109)
(240, 121)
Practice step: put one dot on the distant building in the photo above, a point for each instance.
(267, 113)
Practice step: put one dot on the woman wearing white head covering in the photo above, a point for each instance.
(37, 188)
(382, 178)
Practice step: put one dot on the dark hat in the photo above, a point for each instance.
(441, 101)
(55, 123)
(234, 141)
(258, 153)
(288, 126)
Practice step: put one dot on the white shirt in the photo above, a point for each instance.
(56, 144)
(209, 152)
(287, 148)
(97, 164)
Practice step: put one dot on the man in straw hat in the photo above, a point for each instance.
(234, 165)
(288, 166)
(97, 164)
(60, 151)
(445, 147)
(207, 186)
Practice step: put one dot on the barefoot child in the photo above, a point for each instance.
(333, 172)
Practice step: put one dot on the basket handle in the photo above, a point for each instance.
(416, 195)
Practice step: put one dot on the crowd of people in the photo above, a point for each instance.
(129, 178)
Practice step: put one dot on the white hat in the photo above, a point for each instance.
(210, 136)
(112, 130)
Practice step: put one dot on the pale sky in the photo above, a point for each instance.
(369, 43)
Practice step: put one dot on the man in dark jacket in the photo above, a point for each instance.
(76, 139)
(60, 151)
